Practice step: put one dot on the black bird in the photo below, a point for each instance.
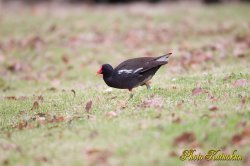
(132, 72)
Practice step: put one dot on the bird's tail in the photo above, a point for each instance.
(163, 58)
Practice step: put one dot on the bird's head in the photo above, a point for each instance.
(106, 70)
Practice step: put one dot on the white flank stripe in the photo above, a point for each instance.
(125, 71)
(138, 70)
(163, 59)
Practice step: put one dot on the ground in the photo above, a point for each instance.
(54, 110)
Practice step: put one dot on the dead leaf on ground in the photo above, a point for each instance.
(213, 108)
(197, 91)
(243, 101)
(241, 138)
(57, 119)
(177, 120)
(154, 102)
(241, 83)
(173, 154)
(65, 59)
(95, 156)
(185, 138)
(88, 106)
(42, 159)
(21, 125)
(52, 28)
(52, 89)
(11, 98)
(5, 162)
(35, 105)
(14, 67)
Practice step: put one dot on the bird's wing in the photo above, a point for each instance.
(156, 62)
(140, 65)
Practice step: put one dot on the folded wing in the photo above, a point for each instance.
(140, 65)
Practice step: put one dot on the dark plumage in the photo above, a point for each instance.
(133, 72)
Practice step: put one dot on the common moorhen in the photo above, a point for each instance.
(132, 72)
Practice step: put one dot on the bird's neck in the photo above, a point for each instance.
(108, 80)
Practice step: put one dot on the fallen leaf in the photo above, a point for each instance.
(184, 138)
(11, 97)
(241, 83)
(172, 154)
(88, 106)
(35, 105)
(213, 108)
(158, 116)
(177, 120)
(21, 125)
(95, 156)
(58, 119)
(14, 67)
(197, 91)
(243, 101)
(155, 102)
(42, 159)
(241, 138)
(52, 28)
(52, 89)
(6, 162)
(65, 59)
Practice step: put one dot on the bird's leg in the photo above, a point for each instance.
(131, 94)
(147, 85)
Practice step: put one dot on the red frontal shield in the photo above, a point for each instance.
(99, 71)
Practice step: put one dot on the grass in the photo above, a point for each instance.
(46, 54)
